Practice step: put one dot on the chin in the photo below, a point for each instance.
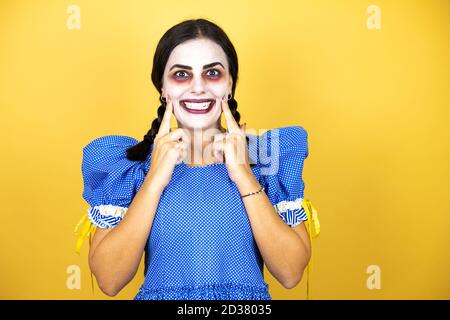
(200, 126)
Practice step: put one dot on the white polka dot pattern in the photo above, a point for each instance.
(201, 244)
(285, 187)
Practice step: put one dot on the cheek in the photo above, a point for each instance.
(175, 90)
(218, 89)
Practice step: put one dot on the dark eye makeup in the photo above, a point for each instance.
(211, 74)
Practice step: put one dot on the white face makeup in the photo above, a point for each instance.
(196, 77)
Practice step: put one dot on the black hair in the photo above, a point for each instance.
(181, 32)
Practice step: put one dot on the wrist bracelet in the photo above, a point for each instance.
(251, 193)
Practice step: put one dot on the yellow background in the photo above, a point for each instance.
(374, 102)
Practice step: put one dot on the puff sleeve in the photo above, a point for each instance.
(287, 149)
(110, 179)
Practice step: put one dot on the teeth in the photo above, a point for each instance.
(197, 106)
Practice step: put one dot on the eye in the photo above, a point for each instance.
(213, 73)
(180, 74)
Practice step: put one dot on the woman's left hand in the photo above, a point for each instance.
(232, 146)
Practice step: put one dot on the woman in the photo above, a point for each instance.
(196, 199)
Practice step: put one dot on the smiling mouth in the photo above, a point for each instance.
(197, 105)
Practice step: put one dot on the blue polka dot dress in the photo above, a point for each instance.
(201, 244)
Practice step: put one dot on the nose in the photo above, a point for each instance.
(198, 85)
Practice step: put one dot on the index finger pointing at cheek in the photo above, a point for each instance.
(232, 126)
(164, 127)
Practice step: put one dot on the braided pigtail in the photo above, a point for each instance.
(140, 151)
(232, 103)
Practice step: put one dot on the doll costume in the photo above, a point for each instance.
(201, 244)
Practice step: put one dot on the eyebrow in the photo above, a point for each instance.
(206, 66)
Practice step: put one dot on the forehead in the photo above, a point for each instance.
(196, 53)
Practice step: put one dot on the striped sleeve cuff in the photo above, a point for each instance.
(106, 216)
(291, 212)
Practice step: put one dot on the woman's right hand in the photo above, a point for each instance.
(169, 149)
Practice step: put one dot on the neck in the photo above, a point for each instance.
(201, 145)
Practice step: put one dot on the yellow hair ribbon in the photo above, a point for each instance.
(87, 230)
(313, 225)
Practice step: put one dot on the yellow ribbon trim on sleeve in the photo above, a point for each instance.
(313, 226)
(86, 230)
